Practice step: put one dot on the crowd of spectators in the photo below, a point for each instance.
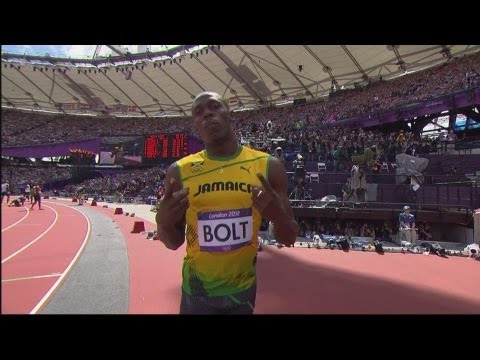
(290, 122)
(34, 128)
(20, 176)
(295, 124)
(123, 185)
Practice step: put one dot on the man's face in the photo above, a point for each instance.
(211, 118)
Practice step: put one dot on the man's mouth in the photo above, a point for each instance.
(211, 126)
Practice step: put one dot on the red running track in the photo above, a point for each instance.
(13, 217)
(37, 253)
(311, 281)
(290, 281)
(155, 271)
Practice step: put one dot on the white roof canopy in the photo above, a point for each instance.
(164, 82)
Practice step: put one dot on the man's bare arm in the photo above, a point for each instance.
(171, 211)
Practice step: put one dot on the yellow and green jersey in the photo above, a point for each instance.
(222, 225)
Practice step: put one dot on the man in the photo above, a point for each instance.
(279, 154)
(451, 138)
(358, 183)
(340, 157)
(37, 197)
(424, 232)
(347, 191)
(6, 191)
(407, 226)
(18, 201)
(26, 192)
(221, 195)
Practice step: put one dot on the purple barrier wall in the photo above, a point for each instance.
(321, 190)
(441, 164)
(452, 195)
(48, 150)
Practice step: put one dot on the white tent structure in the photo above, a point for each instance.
(164, 82)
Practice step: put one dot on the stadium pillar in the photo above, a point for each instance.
(451, 120)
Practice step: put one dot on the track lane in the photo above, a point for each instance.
(30, 278)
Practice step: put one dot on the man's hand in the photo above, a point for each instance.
(171, 209)
(267, 201)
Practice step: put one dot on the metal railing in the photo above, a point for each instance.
(375, 205)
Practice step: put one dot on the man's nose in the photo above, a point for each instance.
(207, 113)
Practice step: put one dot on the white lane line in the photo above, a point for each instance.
(31, 277)
(34, 240)
(23, 218)
(57, 283)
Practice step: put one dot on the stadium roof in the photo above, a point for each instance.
(162, 80)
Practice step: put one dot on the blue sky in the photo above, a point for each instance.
(74, 51)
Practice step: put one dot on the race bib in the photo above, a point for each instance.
(225, 230)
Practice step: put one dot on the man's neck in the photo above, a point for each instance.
(225, 149)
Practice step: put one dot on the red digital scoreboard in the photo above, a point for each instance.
(165, 148)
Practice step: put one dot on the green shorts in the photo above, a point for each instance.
(239, 303)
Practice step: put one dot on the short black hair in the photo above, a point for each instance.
(210, 94)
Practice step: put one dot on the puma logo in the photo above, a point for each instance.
(244, 168)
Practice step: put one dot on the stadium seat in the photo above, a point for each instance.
(314, 178)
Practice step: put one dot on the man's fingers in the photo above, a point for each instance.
(256, 191)
(178, 197)
(177, 213)
(170, 188)
(256, 201)
(259, 201)
(172, 211)
(180, 194)
(180, 207)
(183, 203)
(265, 183)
